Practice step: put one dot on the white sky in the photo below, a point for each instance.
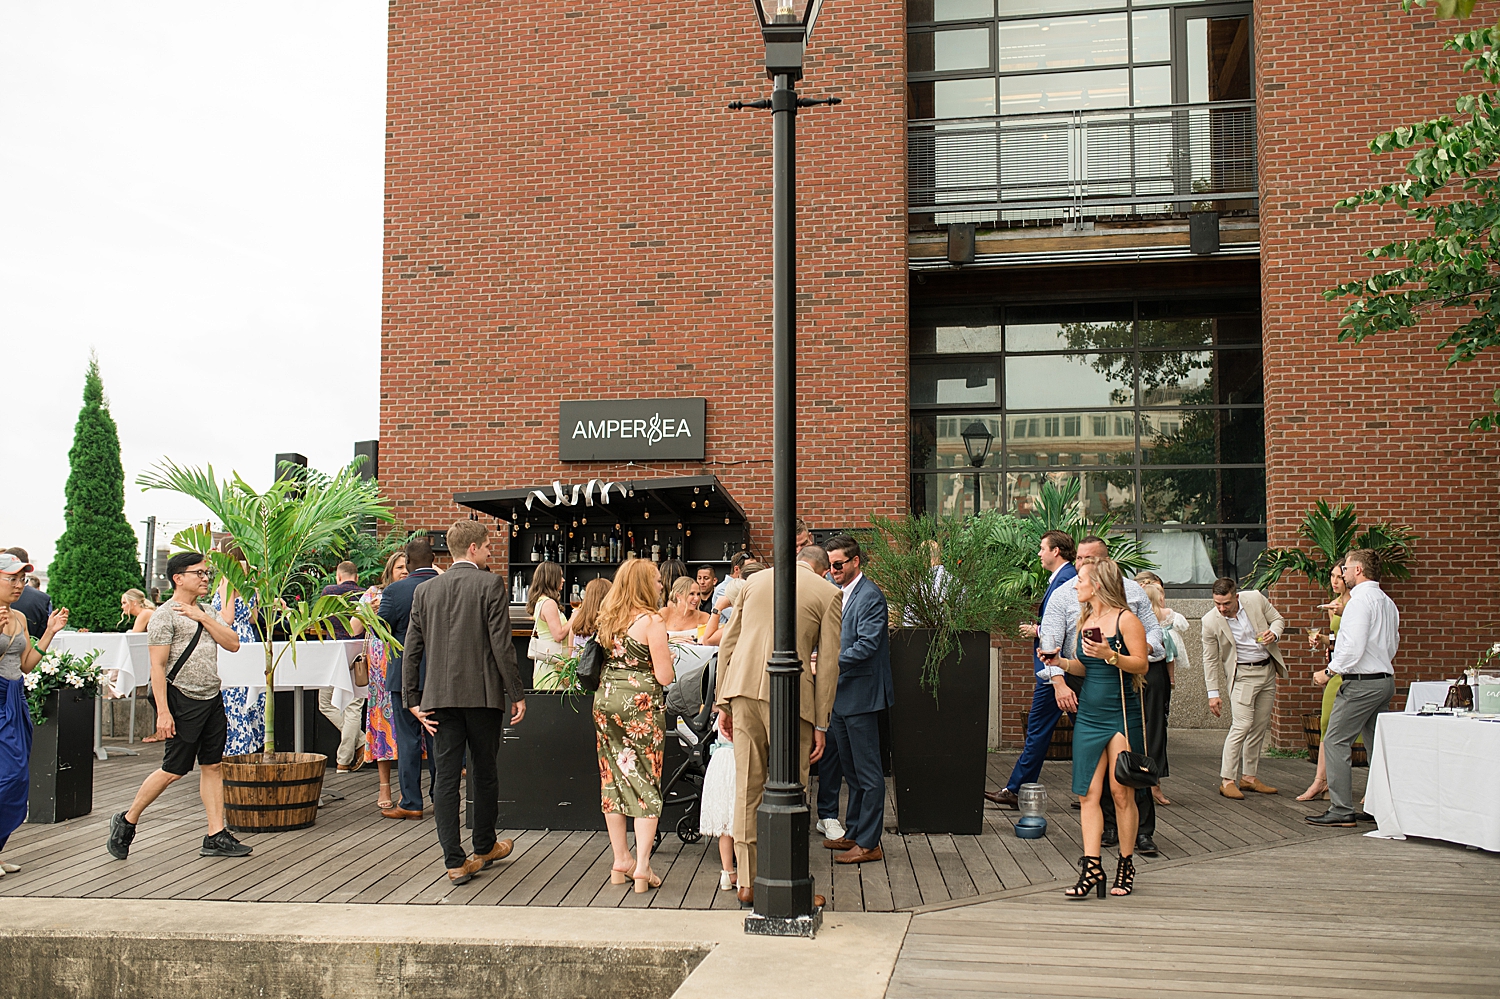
(193, 190)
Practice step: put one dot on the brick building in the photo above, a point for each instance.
(572, 214)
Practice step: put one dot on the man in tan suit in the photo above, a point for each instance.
(744, 688)
(1241, 640)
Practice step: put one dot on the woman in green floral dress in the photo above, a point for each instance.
(629, 721)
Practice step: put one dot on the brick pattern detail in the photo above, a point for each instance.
(573, 213)
(1380, 425)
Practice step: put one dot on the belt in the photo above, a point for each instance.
(1259, 662)
(1364, 676)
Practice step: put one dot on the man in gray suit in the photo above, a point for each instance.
(460, 630)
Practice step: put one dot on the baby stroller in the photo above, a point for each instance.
(690, 710)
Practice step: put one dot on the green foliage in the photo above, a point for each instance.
(973, 595)
(280, 532)
(96, 559)
(367, 551)
(1058, 509)
(1457, 266)
(62, 670)
(1445, 8)
(1333, 534)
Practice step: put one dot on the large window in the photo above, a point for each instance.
(1155, 407)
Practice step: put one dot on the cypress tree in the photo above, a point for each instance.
(96, 556)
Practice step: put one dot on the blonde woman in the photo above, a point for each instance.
(549, 628)
(1112, 643)
(1162, 676)
(134, 603)
(682, 617)
(629, 721)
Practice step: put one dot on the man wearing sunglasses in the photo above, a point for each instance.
(184, 641)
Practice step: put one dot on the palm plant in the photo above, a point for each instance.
(1058, 509)
(1334, 533)
(280, 532)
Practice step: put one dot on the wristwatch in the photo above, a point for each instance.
(1114, 659)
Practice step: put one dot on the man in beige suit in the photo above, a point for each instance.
(744, 688)
(1241, 640)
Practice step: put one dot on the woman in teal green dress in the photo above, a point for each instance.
(1109, 718)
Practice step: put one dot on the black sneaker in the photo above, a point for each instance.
(121, 835)
(223, 844)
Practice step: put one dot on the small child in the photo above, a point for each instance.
(716, 811)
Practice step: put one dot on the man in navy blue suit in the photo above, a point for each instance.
(865, 689)
(395, 610)
(1052, 696)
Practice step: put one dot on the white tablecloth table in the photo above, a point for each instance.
(1436, 776)
(125, 655)
(1426, 692)
(318, 664)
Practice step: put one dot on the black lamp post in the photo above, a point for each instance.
(783, 881)
(977, 438)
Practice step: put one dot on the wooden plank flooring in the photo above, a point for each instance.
(354, 855)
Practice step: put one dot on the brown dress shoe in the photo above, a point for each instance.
(746, 895)
(1229, 790)
(400, 813)
(463, 875)
(838, 844)
(499, 851)
(1005, 798)
(859, 855)
(1254, 784)
(819, 901)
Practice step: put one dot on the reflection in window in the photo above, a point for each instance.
(1073, 381)
(1151, 35)
(1081, 91)
(953, 383)
(923, 11)
(937, 441)
(948, 51)
(1063, 42)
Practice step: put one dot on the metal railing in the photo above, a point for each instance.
(1082, 164)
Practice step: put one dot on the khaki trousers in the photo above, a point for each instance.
(349, 723)
(1250, 702)
(752, 750)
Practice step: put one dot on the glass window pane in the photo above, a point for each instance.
(1153, 86)
(1081, 380)
(1240, 379)
(1151, 35)
(922, 11)
(1052, 439)
(1177, 332)
(1069, 336)
(1009, 8)
(1100, 88)
(1204, 496)
(948, 51)
(1109, 494)
(963, 98)
(1203, 437)
(1200, 308)
(1183, 558)
(955, 331)
(1023, 490)
(971, 383)
(1063, 42)
(937, 439)
(951, 494)
(1172, 378)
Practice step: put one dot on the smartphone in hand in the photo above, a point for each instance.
(1095, 635)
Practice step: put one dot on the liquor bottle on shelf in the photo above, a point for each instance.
(726, 551)
(680, 547)
(656, 546)
(615, 547)
(536, 549)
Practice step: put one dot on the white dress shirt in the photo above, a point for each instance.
(1246, 648)
(846, 590)
(1369, 633)
(1060, 623)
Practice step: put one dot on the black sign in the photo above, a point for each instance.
(632, 430)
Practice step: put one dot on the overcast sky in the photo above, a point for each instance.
(193, 190)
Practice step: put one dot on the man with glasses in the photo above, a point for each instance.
(184, 642)
(32, 603)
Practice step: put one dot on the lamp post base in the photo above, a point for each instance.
(782, 926)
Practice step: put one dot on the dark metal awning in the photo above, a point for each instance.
(689, 499)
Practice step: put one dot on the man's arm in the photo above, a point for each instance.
(1211, 662)
(220, 632)
(1354, 635)
(869, 618)
(1053, 633)
(726, 651)
(411, 654)
(1274, 621)
(503, 648)
(826, 682)
(166, 726)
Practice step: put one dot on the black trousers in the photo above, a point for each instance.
(1156, 698)
(410, 738)
(477, 731)
(1144, 804)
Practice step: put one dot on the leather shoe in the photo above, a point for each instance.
(839, 844)
(1328, 819)
(1111, 836)
(746, 895)
(464, 874)
(859, 855)
(819, 901)
(1230, 790)
(499, 851)
(1146, 846)
(1363, 817)
(1254, 784)
(401, 813)
(1005, 798)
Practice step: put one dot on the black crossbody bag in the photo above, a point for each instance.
(1133, 769)
(177, 666)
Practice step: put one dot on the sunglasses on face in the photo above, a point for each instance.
(838, 566)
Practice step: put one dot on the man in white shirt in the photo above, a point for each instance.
(1241, 640)
(1369, 636)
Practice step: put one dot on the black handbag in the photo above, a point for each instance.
(590, 664)
(1133, 769)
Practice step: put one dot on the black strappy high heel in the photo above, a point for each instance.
(1090, 879)
(1124, 877)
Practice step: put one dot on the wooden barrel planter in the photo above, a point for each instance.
(1061, 746)
(272, 792)
(1311, 731)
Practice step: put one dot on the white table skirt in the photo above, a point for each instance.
(1426, 692)
(318, 664)
(1437, 777)
(125, 655)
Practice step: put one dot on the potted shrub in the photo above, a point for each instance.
(280, 532)
(60, 694)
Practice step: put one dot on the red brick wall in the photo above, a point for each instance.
(1380, 425)
(572, 213)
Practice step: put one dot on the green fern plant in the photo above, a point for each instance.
(1333, 532)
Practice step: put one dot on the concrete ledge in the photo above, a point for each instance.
(126, 948)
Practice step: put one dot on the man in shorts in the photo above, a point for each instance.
(185, 643)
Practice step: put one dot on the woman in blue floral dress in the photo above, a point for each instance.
(380, 734)
(244, 713)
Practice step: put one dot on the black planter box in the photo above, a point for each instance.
(938, 746)
(62, 759)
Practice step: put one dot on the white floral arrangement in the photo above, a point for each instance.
(61, 669)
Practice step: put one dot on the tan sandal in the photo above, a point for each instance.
(620, 875)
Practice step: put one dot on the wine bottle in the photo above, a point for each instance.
(656, 546)
(536, 549)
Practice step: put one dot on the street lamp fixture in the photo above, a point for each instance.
(977, 439)
(783, 878)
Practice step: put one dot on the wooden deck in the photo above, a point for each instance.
(355, 855)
